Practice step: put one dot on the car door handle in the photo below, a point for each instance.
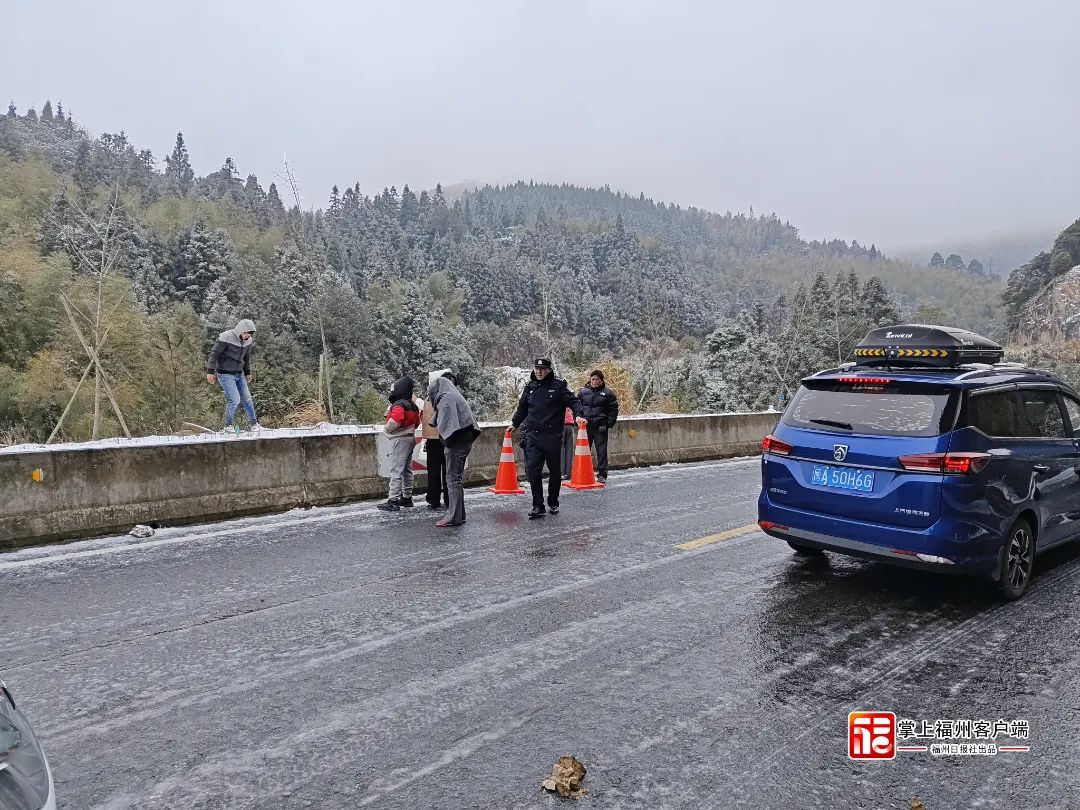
(1040, 468)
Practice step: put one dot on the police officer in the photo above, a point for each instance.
(600, 407)
(541, 410)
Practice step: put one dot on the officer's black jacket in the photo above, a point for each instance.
(543, 405)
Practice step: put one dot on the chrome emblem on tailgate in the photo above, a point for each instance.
(839, 451)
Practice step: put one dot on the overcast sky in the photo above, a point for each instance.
(896, 123)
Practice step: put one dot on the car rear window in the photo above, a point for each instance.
(893, 409)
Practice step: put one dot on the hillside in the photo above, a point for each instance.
(393, 282)
(1038, 297)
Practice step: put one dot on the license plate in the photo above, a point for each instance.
(843, 478)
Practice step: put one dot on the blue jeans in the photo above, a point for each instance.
(236, 393)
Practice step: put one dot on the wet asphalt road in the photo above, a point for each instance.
(342, 658)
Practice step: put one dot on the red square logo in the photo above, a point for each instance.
(871, 735)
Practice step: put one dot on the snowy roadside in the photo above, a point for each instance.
(322, 429)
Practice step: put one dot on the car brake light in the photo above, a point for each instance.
(771, 444)
(952, 463)
(865, 380)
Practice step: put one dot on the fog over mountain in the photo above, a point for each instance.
(911, 124)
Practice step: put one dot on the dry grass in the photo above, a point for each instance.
(15, 434)
(309, 414)
(617, 377)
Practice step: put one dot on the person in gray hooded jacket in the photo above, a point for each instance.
(454, 420)
(229, 366)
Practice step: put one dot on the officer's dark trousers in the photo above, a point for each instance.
(598, 439)
(541, 449)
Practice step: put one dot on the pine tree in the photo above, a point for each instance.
(275, 210)
(877, 303)
(47, 113)
(954, 262)
(85, 175)
(200, 258)
(301, 279)
(937, 260)
(254, 196)
(59, 217)
(424, 209)
(178, 169)
(410, 209)
(976, 267)
(740, 366)
(334, 210)
(31, 115)
(11, 112)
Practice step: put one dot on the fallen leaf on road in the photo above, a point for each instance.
(917, 804)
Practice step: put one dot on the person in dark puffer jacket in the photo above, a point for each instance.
(541, 413)
(229, 366)
(402, 420)
(601, 407)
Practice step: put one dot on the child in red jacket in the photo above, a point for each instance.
(401, 424)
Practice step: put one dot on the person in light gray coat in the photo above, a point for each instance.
(457, 427)
(229, 366)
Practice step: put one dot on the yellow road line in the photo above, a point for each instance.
(708, 540)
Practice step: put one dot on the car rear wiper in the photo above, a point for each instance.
(833, 423)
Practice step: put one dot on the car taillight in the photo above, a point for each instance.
(771, 444)
(952, 463)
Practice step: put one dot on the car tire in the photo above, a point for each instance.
(809, 551)
(1017, 561)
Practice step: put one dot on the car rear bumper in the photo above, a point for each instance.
(954, 546)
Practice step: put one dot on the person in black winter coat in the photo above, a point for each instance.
(229, 366)
(541, 410)
(600, 407)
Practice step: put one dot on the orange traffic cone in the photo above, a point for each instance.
(583, 475)
(506, 481)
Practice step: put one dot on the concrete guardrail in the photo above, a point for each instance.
(86, 492)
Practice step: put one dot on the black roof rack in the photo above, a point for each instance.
(925, 346)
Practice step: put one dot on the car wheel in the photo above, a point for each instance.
(1017, 561)
(810, 551)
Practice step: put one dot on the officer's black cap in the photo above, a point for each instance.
(543, 362)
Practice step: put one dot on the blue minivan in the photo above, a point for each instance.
(927, 451)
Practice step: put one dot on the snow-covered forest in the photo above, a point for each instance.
(102, 243)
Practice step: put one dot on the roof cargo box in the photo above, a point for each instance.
(921, 345)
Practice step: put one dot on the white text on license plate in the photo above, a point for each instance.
(843, 478)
